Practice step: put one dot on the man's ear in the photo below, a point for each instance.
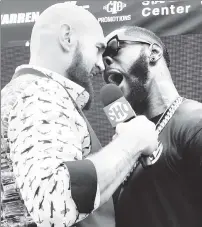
(65, 37)
(156, 53)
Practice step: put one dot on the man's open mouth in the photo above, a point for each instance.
(113, 76)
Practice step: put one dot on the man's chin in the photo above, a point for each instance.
(139, 106)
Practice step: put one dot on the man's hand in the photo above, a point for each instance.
(138, 134)
(116, 160)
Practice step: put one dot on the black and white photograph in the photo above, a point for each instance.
(101, 113)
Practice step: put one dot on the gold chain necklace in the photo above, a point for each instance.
(167, 115)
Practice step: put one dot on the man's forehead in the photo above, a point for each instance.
(116, 32)
(136, 35)
(101, 44)
(100, 41)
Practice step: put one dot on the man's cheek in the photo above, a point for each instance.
(125, 87)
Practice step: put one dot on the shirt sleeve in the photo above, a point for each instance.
(194, 145)
(46, 133)
(190, 141)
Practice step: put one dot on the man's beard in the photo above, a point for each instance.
(78, 73)
(137, 78)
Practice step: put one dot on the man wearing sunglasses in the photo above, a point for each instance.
(167, 194)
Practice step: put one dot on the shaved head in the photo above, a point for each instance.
(81, 21)
(75, 16)
(69, 40)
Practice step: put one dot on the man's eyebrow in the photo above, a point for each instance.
(101, 46)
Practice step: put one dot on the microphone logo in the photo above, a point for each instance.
(119, 111)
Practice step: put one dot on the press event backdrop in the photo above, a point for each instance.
(178, 23)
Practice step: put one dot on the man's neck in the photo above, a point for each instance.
(162, 95)
(47, 65)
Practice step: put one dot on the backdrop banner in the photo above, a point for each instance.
(165, 18)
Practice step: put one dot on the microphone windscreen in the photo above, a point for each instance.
(110, 93)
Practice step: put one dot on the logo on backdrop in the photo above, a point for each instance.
(164, 8)
(114, 6)
(75, 3)
(19, 18)
(27, 17)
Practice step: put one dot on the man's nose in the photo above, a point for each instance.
(107, 61)
(100, 65)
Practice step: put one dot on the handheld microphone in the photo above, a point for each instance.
(118, 110)
(116, 107)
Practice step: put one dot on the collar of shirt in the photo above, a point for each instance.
(77, 92)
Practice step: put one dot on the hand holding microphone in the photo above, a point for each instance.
(135, 132)
(142, 131)
(135, 136)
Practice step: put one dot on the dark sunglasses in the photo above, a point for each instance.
(114, 45)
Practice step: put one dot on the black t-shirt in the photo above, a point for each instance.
(169, 193)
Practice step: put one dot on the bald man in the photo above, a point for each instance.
(48, 136)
